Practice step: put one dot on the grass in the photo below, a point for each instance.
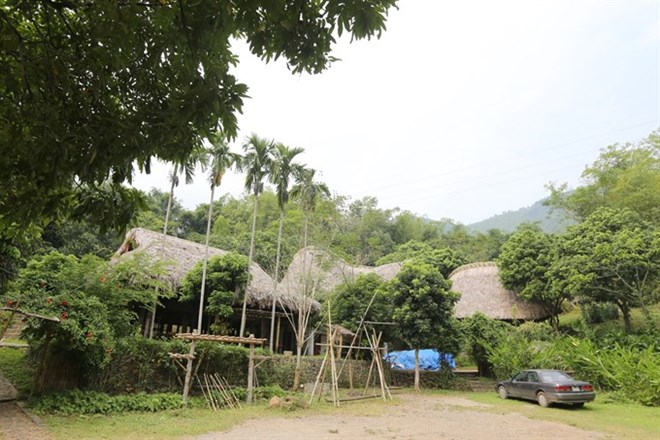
(14, 368)
(189, 422)
(161, 425)
(640, 322)
(618, 420)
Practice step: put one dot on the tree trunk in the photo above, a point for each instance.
(168, 211)
(417, 387)
(297, 373)
(251, 253)
(300, 340)
(305, 231)
(206, 261)
(250, 383)
(187, 384)
(275, 280)
(627, 323)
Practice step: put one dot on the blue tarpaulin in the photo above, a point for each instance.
(428, 359)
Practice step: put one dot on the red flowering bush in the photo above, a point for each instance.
(92, 313)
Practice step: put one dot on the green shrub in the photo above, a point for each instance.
(92, 402)
(599, 312)
(629, 365)
(511, 355)
(266, 393)
(632, 372)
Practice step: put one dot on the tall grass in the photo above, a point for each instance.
(631, 371)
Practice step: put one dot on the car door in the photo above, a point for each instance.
(517, 384)
(531, 385)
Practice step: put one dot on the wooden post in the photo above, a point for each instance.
(250, 380)
(186, 383)
(276, 344)
(350, 375)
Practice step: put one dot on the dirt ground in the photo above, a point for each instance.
(430, 417)
(15, 424)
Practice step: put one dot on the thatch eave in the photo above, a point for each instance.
(181, 256)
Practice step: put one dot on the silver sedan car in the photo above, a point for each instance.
(547, 387)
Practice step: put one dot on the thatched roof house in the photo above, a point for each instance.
(315, 269)
(481, 291)
(182, 255)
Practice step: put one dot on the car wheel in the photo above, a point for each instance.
(542, 399)
(502, 392)
(579, 405)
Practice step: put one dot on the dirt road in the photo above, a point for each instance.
(421, 417)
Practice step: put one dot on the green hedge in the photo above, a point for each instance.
(92, 402)
(142, 365)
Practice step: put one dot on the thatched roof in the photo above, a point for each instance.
(181, 255)
(481, 291)
(323, 272)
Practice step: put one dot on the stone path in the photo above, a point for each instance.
(7, 390)
(16, 424)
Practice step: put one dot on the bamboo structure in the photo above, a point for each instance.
(194, 337)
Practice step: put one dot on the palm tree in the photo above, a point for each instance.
(307, 192)
(257, 165)
(283, 169)
(186, 165)
(222, 159)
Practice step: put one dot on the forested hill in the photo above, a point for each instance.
(508, 221)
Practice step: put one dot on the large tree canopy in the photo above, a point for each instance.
(91, 89)
(623, 177)
(525, 263)
(613, 257)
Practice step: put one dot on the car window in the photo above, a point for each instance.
(555, 376)
(521, 377)
(532, 377)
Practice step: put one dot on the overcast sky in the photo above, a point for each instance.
(463, 109)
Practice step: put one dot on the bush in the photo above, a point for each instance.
(633, 372)
(92, 402)
(599, 312)
(629, 365)
(266, 393)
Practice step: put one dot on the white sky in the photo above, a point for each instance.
(463, 109)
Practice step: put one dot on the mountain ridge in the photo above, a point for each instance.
(550, 221)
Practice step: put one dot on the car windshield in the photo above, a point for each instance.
(555, 376)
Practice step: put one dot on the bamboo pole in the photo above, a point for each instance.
(214, 404)
(318, 377)
(231, 391)
(201, 386)
(333, 364)
(250, 384)
(227, 400)
(371, 369)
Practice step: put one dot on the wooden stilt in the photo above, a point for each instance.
(277, 335)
